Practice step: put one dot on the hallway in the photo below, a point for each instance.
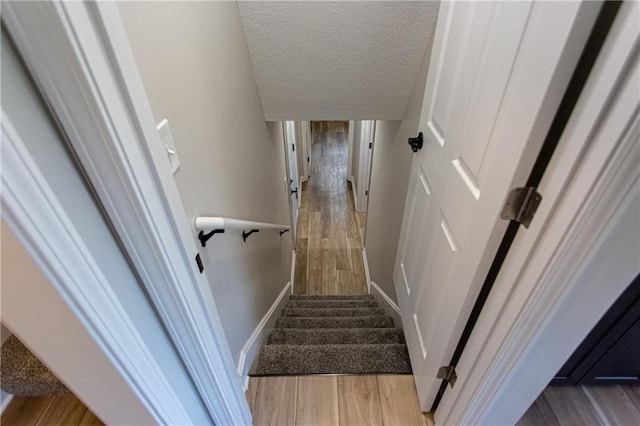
(330, 231)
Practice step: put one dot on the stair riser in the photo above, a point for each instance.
(334, 312)
(332, 304)
(288, 336)
(333, 359)
(360, 297)
(353, 322)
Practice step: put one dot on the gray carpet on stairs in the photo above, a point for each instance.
(22, 374)
(334, 335)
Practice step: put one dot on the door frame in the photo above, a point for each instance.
(80, 59)
(367, 135)
(305, 139)
(293, 211)
(532, 308)
(97, 25)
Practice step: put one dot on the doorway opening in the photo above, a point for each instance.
(335, 159)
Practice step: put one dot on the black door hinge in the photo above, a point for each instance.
(370, 145)
(448, 373)
(293, 147)
(521, 205)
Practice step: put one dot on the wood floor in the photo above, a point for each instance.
(585, 405)
(59, 410)
(335, 400)
(330, 232)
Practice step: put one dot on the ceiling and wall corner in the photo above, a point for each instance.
(337, 60)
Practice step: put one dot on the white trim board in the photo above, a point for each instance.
(28, 201)
(365, 262)
(292, 274)
(387, 304)
(546, 298)
(247, 357)
(6, 402)
(79, 56)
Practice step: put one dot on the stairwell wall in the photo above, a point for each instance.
(196, 70)
(391, 166)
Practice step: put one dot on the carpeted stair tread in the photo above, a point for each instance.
(333, 359)
(316, 297)
(332, 312)
(356, 303)
(24, 375)
(335, 336)
(335, 322)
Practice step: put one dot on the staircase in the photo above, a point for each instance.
(22, 374)
(334, 335)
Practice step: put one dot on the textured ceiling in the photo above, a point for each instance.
(338, 59)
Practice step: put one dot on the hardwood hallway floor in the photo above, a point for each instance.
(330, 232)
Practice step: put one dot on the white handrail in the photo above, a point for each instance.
(209, 222)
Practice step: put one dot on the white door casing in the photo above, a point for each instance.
(364, 170)
(293, 183)
(305, 131)
(497, 74)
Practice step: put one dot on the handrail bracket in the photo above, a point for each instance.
(205, 237)
(246, 234)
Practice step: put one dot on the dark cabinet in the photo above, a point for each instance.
(611, 352)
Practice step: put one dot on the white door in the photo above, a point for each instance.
(497, 72)
(292, 170)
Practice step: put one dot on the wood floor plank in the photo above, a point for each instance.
(301, 284)
(329, 276)
(361, 221)
(326, 219)
(358, 401)
(314, 286)
(571, 406)
(540, 413)
(275, 401)
(345, 283)
(352, 226)
(314, 258)
(613, 405)
(90, 419)
(343, 255)
(25, 410)
(399, 401)
(633, 392)
(64, 410)
(317, 401)
(303, 221)
(355, 243)
(252, 393)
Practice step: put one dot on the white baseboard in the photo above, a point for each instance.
(387, 304)
(250, 349)
(366, 269)
(293, 270)
(5, 401)
(354, 191)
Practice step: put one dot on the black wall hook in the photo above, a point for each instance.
(416, 143)
(246, 234)
(205, 237)
(283, 231)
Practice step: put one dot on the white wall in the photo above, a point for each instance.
(390, 167)
(196, 70)
(34, 311)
